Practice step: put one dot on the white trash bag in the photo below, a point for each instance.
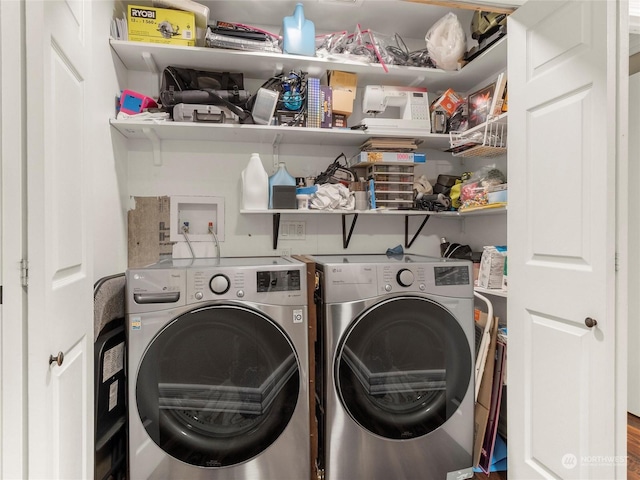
(446, 42)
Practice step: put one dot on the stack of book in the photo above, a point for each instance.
(386, 144)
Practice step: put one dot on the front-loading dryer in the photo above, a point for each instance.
(396, 391)
(218, 381)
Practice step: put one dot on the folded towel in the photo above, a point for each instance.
(332, 196)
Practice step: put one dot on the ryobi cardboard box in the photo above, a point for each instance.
(161, 25)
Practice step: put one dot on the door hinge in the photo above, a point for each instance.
(24, 272)
(617, 261)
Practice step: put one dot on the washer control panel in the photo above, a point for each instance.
(279, 285)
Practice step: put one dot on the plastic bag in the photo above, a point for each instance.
(474, 191)
(360, 46)
(446, 42)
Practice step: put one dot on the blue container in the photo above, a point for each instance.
(281, 177)
(298, 34)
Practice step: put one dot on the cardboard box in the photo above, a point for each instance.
(326, 105)
(339, 120)
(448, 102)
(343, 85)
(161, 25)
(314, 103)
(368, 157)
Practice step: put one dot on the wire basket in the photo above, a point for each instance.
(489, 140)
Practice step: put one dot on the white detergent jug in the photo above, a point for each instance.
(255, 185)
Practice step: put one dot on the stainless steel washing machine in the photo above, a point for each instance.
(218, 379)
(396, 389)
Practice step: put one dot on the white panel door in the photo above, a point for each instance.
(60, 292)
(13, 351)
(633, 404)
(563, 88)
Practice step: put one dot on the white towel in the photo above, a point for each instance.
(332, 196)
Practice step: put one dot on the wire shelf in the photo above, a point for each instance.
(486, 140)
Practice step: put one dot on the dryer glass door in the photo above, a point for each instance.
(403, 367)
(218, 385)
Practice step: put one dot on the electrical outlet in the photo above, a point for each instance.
(292, 230)
(285, 252)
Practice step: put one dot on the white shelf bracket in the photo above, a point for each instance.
(149, 62)
(463, 225)
(275, 147)
(155, 144)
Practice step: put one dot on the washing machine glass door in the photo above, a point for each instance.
(218, 385)
(403, 367)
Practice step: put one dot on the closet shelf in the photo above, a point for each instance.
(346, 235)
(168, 130)
(152, 57)
(496, 292)
(411, 213)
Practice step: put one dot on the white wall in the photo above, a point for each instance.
(109, 163)
(214, 168)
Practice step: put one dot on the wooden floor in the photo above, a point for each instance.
(633, 453)
(633, 447)
(491, 476)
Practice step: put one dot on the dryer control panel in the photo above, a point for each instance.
(355, 278)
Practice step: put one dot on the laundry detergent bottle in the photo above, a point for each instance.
(281, 177)
(298, 34)
(255, 185)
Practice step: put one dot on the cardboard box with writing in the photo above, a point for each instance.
(161, 25)
(343, 86)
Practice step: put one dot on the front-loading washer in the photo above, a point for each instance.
(217, 362)
(396, 391)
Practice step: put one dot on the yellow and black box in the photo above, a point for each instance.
(161, 25)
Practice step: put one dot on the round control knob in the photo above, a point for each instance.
(199, 295)
(240, 293)
(219, 284)
(387, 287)
(405, 277)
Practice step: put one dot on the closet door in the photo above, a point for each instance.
(564, 87)
(60, 291)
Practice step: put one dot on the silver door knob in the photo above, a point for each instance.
(590, 322)
(57, 359)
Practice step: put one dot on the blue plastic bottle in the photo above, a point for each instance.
(298, 34)
(281, 177)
